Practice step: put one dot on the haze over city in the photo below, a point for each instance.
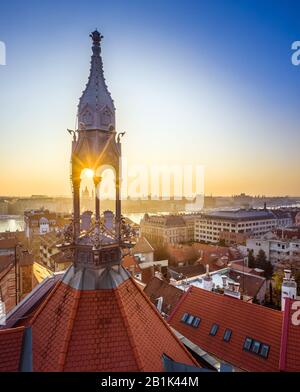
(196, 83)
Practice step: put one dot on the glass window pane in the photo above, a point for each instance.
(264, 350)
(184, 317)
(214, 329)
(255, 347)
(190, 319)
(196, 322)
(247, 344)
(227, 335)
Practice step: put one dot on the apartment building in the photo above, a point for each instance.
(255, 222)
(278, 251)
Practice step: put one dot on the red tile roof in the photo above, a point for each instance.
(10, 349)
(102, 330)
(5, 261)
(158, 288)
(130, 263)
(142, 246)
(244, 319)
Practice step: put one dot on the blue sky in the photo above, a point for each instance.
(203, 82)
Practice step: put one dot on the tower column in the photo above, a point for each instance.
(76, 207)
(118, 205)
(97, 181)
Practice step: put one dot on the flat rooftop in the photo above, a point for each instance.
(240, 215)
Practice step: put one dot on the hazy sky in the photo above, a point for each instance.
(194, 82)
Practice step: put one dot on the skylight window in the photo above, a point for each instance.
(214, 329)
(247, 344)
(227, 335)
(184, 317)
(190, 320)
(255, 347)
(264, 350)
(196, 322)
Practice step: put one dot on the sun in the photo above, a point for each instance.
(88, 173)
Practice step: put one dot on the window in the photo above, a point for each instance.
(214, 329)
(184, 317)
(196, 322)
(255, 347)
(227, 335)
(190, 320)
(247, 344)
(264, 350)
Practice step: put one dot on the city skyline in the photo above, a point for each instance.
(183, 95)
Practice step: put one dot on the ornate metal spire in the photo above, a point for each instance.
(96, 109)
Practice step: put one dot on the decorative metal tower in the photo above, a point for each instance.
(96, 146)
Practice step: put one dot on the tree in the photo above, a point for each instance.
(251, 259)
(278, 279)
(264, 264)
(269, 270)
(261, 260)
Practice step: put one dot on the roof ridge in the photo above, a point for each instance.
(277, 312)
(145, 239)
(133, 345)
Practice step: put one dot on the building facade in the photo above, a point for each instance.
(168, 229)
(278, 251)
(250, 222)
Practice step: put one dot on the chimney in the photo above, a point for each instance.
(159, 304)
(265, 206)
(207, 269)
(233, 290)
(288, 288)
(207, 280)
(108, 220)
(86, 220)
(224, 281)
(287, 274)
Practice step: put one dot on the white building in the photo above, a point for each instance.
(233, 282)
(289, 288)
(278, 251)
(252, 222)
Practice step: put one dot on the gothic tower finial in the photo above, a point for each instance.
(96, 37)
(96, 110)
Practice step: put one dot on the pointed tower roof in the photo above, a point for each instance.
(109, 329)
(96, 110)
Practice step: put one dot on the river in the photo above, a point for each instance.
(14, 223)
